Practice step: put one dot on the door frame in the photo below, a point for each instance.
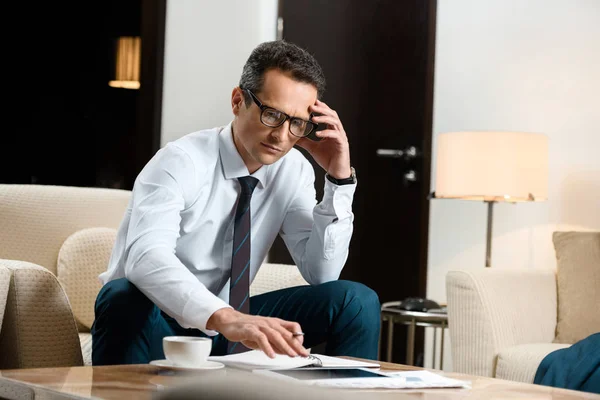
(149, 105)
(426, 147)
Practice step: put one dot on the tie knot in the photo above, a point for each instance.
(248, 184)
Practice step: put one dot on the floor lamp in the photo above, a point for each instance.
(492, 167)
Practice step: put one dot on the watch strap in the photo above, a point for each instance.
(345, 181)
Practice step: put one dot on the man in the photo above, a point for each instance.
(204, 213)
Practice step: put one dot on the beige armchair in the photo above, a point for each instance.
(502, 322)
(54, 241)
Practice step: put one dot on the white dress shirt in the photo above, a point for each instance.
(175, 241)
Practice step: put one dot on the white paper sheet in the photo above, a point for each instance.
(427, 379)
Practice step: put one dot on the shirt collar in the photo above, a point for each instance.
(233, 165)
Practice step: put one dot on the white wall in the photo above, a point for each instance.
(525, 66)
(206, 46)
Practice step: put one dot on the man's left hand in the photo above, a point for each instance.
(333, 152)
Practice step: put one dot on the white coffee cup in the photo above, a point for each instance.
(187, 351)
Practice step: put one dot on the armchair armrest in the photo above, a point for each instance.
(38, 329)
(489, 310)
(5, 275)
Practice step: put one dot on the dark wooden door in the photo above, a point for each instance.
(378, 59)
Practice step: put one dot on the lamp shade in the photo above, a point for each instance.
(492, 166)
(127, 65)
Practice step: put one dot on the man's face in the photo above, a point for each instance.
(262, 145)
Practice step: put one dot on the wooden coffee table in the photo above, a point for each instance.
(141, 381)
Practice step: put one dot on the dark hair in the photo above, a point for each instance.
(286, 57)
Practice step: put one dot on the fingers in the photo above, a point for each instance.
(273, 336)
(263, 342)
(332, 134)
(277, 339)
(289, 325)
(328, 116)
(281, 337)
(295, 342)
(323, 108)
(330, 120)
(335, 128)
(306, 144)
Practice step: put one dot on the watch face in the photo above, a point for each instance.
(352, 176)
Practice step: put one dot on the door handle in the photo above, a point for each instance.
(407, 154)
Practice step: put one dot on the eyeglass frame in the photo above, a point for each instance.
(263, 107)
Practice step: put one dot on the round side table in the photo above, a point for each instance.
(392, 314)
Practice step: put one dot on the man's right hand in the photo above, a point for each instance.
(271, 335)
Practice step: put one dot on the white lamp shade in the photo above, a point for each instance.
(492, 166)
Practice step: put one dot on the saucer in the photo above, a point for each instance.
(205, 365)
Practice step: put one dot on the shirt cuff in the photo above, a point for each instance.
(337, 199)
(198, 311)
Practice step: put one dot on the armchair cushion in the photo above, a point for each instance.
(272, 277)
(578, 283)
(519, 363)
(82, 257)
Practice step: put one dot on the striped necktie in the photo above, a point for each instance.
(239, 285)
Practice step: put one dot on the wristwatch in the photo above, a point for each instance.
(345, 181)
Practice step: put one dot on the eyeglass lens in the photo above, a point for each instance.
(274, 118)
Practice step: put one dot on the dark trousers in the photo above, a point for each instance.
(129, 328)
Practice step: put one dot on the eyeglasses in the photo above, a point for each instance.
(274, 118)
